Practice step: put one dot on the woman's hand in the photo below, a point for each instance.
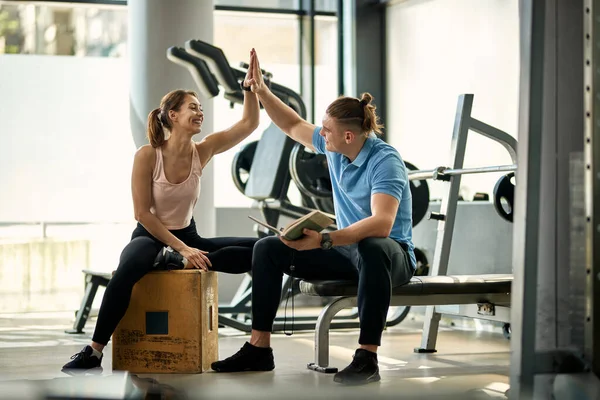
(254, 77)
(250, 72)
(196, 258)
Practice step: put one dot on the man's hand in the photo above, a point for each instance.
(310, 241)
(254, 77)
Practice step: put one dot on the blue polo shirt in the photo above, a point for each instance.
(378, 168)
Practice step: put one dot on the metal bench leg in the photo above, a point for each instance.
(430, 331)
(321, 363)
(86, 305)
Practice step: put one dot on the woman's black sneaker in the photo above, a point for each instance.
(248, 358)
(363, 369)
(85, 359)
(169, 259)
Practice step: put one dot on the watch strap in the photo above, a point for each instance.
(246, 88)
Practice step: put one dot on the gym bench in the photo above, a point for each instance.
(477, 296)
(487, 295)
(93, 279)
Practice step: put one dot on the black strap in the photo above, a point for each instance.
(290, 293)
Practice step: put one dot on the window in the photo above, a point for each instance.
(61, 29)
(326, 5)
(326, 64)
(278, 54)
(283, 4)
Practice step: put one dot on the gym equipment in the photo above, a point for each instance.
(420, 196)
(504, 195)
(310, 172)
(185, 319)
(483, 292)
(240, 167)
(93, 280)
(481, 197)
(445, 173)
(477, 296)
(202, 76)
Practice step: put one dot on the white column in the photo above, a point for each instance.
(154, 26)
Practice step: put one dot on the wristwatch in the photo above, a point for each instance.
(326, 242)
(246, 88)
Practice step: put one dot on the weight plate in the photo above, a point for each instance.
(241, 164)
(420, 196)
(310, 172)
(504, 195)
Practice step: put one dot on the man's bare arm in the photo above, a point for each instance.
(384, 208)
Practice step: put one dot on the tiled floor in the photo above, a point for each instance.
(468, 365)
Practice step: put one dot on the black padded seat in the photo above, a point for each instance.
(418, 285)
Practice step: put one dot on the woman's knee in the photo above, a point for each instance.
(137, 257)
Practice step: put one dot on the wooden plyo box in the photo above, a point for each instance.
(171, 325)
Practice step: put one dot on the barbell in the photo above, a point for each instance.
(444, 173)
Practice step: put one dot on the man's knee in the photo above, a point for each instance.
(266, 250)
(371, 247)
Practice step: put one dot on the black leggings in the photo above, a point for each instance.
(227, 254)
(379, 265)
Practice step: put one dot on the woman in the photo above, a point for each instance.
(165, 187)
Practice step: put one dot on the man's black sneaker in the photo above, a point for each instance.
(169, 259)
(248, 358)
(85, 359)
(363, 369)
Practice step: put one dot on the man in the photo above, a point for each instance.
(373, 244)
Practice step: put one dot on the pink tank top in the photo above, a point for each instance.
(173, 204)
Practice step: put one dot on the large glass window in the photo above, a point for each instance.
(66, 239)
(63, 29)
(282, 4)
(326, 5)
(326, 64)
(278, 54)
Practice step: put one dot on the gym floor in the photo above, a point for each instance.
(469, 364)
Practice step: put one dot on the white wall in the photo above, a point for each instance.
(66, 148)
(437, 50)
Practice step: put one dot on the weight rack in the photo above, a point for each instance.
(463, 123)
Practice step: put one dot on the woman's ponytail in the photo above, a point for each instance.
(156, 135)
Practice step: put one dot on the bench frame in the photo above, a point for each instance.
(93, 280)
(472, 305)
